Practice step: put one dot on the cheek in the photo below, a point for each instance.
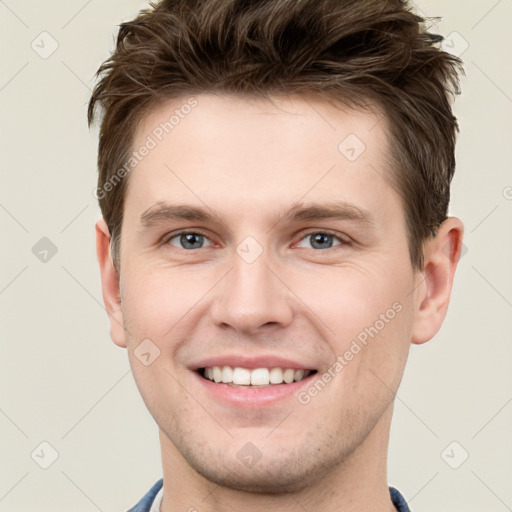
(350, 299)
(157, 300)
(366, 317)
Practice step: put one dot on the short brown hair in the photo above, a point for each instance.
(354, 51)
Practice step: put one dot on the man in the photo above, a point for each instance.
(274, 178)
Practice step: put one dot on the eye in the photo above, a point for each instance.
(187, 240)
(322, 239)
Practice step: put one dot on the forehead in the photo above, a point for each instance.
(280, 119)
(246, 153)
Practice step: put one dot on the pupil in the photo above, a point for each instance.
(189, 238)
(319, 238)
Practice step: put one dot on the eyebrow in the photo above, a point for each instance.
(164, 211)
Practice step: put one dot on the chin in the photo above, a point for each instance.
(273, 474)
(266, 479)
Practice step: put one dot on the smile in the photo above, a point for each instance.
(253, 377)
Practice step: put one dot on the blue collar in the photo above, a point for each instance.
(145, 503)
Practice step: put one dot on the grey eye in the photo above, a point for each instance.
(321, 240)
(188, 240)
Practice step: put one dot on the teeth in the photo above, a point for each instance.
(288, 376)
(299, 375)
(256, 377)
(260, 377)
(217, 374)
(241, 376)
(276, 376)
(227, 374)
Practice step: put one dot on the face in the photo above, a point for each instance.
(265, 236)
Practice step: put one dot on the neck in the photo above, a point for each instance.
(358, 483)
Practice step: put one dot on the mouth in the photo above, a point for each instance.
(254, 377)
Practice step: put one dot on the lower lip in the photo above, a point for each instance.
(252, 396)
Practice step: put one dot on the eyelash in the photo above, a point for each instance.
(168, 238)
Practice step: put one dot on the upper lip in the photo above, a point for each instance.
(264, 361)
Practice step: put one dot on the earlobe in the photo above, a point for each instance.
(442, 255)
(110, 284)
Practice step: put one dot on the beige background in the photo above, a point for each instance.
(63, 381)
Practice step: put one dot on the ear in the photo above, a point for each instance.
(441, 257)
(110, 284)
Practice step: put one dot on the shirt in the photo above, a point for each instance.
(151, 501)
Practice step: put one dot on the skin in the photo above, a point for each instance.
(249, 160)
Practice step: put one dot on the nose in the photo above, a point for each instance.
(252, 297)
